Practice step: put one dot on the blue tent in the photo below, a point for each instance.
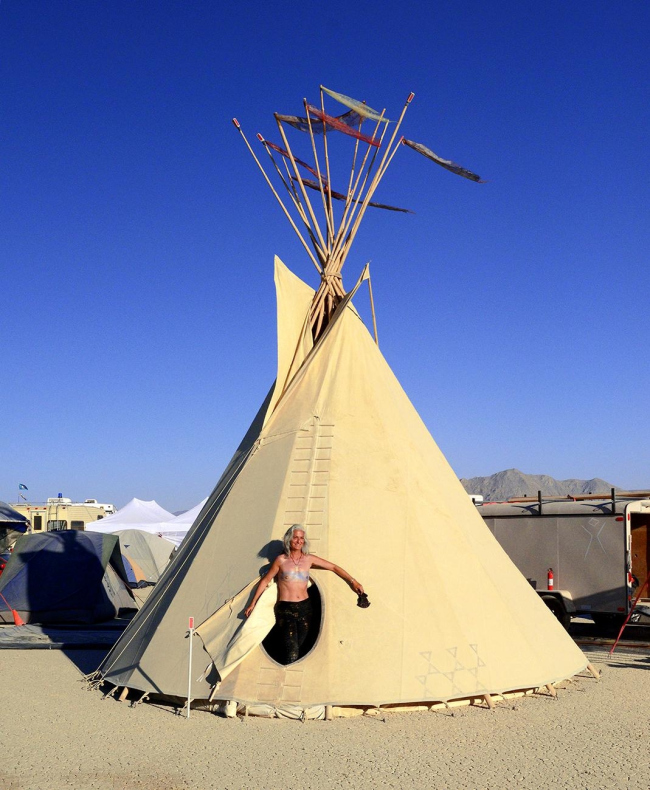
(65, 577)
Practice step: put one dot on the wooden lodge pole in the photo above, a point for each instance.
(378, 175)
(327, 157)
(372, 307)
(301, 185)
(277, 197)
(294, 197)
(352, 202)
(594, 672)
(328, 217)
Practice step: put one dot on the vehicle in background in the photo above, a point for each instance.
(59, 513)
(108, 509)
(585, 555)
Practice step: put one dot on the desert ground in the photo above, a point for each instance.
(57, 734)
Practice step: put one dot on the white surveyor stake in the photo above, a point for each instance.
(190, 634)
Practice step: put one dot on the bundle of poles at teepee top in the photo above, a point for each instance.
(331, 237)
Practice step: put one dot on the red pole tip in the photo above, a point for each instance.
(410, 98)
(236, 123)
(260, 138)
(401, 139)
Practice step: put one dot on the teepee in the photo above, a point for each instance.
(338, 447)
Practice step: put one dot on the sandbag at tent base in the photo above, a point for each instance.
(232, 708)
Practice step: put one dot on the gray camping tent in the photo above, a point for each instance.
(64, 577)
(145, 555)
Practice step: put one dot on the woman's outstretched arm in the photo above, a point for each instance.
(326, 565)
(264, 583)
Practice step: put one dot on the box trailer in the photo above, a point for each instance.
(583, 556)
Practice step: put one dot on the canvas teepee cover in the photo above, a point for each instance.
(345, 453)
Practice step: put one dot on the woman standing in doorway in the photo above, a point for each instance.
(293, 609)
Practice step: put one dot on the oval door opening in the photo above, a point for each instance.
(274, 643)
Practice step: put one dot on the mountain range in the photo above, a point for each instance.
(513, 483)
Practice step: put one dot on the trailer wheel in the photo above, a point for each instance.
(557, 607)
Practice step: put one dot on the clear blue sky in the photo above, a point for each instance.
(137, 237)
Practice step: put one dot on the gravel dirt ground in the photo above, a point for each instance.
(56, 734)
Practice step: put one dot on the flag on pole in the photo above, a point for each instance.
(22, 487)
(358, 106)
(24, 498)
(446, 163)
(295, 159)
(350, 118)
(338, 196)
(340, 127)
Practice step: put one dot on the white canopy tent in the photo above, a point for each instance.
(177, 528)
(136, 514)
(150, 517)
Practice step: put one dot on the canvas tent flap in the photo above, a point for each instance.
(294, 298)
(227, 638)
(116, 595)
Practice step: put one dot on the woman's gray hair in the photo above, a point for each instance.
(289, 534)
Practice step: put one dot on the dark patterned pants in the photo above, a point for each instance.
(293, 620)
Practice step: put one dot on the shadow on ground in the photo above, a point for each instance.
(86, 661)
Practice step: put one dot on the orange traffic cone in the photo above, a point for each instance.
(18, 620)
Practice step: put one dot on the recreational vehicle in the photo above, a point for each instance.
(62, 513)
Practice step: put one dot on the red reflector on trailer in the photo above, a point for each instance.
(619, 518)
(620, 609)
